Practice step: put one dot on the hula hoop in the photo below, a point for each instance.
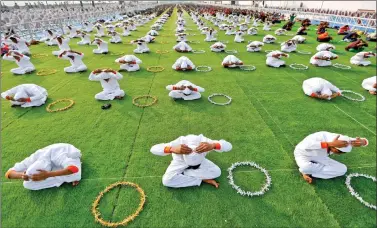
(45, 72)
(248, 67)
(362, 98)
(203, 68)
(297, 66)
(304, 52)
(117, 53)
(162, 51)
(341, 66)
(157, 69)
(231, 51)
(356, 194)
(97, 214)
(242, 192)
(198, 51)
(220, 94)
(39, 56)
(48, 108)
(144, 96)
(268, 51)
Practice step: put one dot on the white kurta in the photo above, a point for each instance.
(177, 175)
(254, 46)
(239, 37)
(115, 39)
(37, 94)
(141, 48)
(77, 65)
(111, 88)
(319, 86)
(182, 47)
(252, 31)
(100, 32)
(273, 61)
(231, 61)
(369, 83)
(267, 26)
(280, 32)
(126, 31)
(185, 94)
(325, 47)
(64, 46)
(85, 40)
(320, 62)
(21, 46)
(183, 63)
(54, 157)
(314, 160)
(285, 47)
(210, 36)
(361, 58)
(230, 31)
(132, 63)
(102, 48)
(218, 47)
(24, 64)
(299, 39)
(268, 39)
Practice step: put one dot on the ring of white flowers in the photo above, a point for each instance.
(194, 42)
(341, 66)
(247, 67)
(268, 51)
(356, 194)
(242, 192)
(198, 51)
(297, 66)
(220, 94)
(304, 52)
(203, 68)
(231, 51)
(362, 98)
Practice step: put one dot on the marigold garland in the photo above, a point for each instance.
(124, 222)
(48, 108)
(144, 96)
(45, 72)
(39, 56)
(356, 194)
(155, 69)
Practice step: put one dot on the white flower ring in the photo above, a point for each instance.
(362, 98)
(356, 194)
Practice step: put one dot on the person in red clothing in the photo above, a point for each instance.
(344, 30)
(49, 167)
(358, 45)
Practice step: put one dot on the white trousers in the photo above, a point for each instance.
(109, 95)
(177, 175)
(130, 67)
(22, 70)
(274, 62)
(100, 51)
(210, 39)
(288, 49)
(320, 62)
(139, 51)
(249, 49)
(179, 95)
(126, 33)
(74, 69)
(217, 49)
(115, 40)
(238, 39)
(252, 33)
(49, 182)
(320, 167)
(83, 42)
(358, 62)
(35, 103)
(229, 33)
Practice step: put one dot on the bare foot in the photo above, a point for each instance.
(307, 178)
(212, 182)
(75, 183)
(372, 92)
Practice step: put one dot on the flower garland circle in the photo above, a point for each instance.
(242, 192)
(297, 66)
(155, 69)
(48, 108)
(362, 98)
(146, 105)
(304, 52)
(45, 72)
(231, 51)
(162, 51)
(219, 94)
(203, 68)
(39, 56)
(341, 66)
(198, 51)
(247, 67)
(356, 194)
(97, 214)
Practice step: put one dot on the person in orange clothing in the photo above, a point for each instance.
(49, 167)
(324, 37)
(344, 30)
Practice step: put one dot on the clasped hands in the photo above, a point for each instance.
(42, 175)
(184, 149)
(10, 98)
(340, 143)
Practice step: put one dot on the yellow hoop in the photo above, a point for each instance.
(157, 69)
(162, 51)
(39, 56)
(45, 72)
(97, 214)
(144, 96)
(48, 108)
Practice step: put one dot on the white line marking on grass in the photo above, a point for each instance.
(374, 133)
(141, 177)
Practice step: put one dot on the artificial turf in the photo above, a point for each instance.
(269, 115)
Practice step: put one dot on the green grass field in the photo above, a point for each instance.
(269, 115)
